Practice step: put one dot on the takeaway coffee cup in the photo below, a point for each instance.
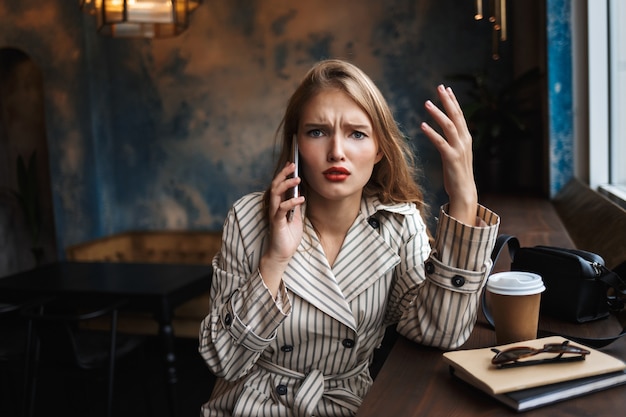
(515, 297)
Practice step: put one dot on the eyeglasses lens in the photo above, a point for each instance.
(512, 354)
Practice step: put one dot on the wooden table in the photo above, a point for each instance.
(153, 288)
(414, 381)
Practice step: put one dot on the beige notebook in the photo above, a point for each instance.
(476, 366)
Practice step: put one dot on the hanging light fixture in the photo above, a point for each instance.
(140, 18)
(497, 17)
(87, 6)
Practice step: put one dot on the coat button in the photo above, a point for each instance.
(458, 281)
(286, 348)
(281, 389)
(228, 319)
(373, 222)
(348, 343)
(430, 268)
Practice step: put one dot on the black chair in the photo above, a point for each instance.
(56, 332)
(13, 331)
(381, 353)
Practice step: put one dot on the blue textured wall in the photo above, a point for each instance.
(560, 100)
(166, 134)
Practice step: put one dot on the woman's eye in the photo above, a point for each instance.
(316, 133)
(358, 135)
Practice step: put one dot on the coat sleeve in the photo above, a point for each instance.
(444, 288)
(243, 317)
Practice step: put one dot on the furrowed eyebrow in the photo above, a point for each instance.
(362, 128)
(365, 128)
(320, 125)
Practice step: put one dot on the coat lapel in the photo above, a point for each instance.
(309, 276)
(364, 258)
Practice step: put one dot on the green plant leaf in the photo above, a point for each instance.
(28, 195)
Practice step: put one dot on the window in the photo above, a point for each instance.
(616, 186)
(606, 55)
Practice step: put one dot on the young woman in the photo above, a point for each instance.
(299, 305)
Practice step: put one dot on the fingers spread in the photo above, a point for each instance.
(453, 110)
(454, 143)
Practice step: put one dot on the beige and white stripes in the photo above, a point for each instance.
(332, 319)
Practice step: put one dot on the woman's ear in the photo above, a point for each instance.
(379, 156)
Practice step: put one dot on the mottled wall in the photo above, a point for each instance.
(561, 104)
(50, 35)
(166, 134)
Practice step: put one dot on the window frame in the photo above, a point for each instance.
(604, 75)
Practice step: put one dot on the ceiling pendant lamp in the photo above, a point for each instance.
(140, 18)
(497, 17)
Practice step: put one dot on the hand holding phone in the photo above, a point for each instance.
(294, 192)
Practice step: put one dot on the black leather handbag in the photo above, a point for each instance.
(579, 287)
(577, 282)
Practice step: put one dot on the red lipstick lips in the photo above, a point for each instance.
(336, 174)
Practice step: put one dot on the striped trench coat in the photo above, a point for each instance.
(307, 352)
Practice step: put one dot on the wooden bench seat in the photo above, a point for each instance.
(594, 222)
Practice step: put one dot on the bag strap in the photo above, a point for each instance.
(511, 241)
(613, 278)
(501, 241)
(513, 244)
(618, 282)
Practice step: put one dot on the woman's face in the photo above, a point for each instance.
(338, 149)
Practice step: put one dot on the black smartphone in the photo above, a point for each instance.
(294, 192)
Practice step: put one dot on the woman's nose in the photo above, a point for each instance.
(336, 151)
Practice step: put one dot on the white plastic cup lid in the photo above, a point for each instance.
(515, 283)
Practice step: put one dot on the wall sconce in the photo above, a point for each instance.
(497, 17)
(140, 18)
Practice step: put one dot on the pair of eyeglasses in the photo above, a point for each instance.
(510, 357)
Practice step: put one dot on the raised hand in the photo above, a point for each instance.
(455, 148)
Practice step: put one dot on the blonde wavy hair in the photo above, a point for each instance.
(393, 179)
